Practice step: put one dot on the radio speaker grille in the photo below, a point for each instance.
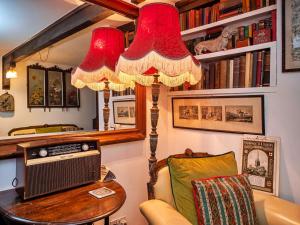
(55, 176)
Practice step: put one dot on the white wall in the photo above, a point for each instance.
(23, 117)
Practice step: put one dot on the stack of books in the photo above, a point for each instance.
(198, 17)
(230, 8)
(249, 70)
(256, 33)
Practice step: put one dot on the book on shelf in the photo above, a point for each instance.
(251, 69)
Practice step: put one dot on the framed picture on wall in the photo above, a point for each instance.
(36, 86)
(124, 112)
(260, 160)
(290, 36)
(72, 94)
(234, 114)
(55, 94)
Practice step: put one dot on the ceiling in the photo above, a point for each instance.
(22, 19)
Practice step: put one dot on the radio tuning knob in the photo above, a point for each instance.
(85, 147)
(43, 152)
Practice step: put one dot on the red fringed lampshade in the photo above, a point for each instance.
(158, 49)
(99, 64)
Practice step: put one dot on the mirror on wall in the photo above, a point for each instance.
(46, 103)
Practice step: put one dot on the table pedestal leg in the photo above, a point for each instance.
(106, 220)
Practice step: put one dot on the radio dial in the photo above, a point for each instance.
(85, 147)
(43, 152)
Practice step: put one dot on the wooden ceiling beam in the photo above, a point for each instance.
(119, 6)
(137, 1)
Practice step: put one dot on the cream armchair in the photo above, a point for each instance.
(161, 210)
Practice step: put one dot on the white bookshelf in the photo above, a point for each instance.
(258, 13)
(239, 20)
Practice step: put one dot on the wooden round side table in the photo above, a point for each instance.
(75, 206)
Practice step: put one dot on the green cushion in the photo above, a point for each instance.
(48, 130)
(184, 170)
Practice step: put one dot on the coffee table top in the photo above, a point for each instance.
(75, 206)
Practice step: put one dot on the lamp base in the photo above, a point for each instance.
(106, 95)
(153, 136)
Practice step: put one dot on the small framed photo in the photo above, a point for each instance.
(36, 86)
(260, 160)
(55, 94)
(235, 114)
(71, 93)
(290, 36)
(124, 112)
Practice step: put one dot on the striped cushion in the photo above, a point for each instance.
(224, 200)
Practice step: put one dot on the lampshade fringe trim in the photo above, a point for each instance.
(94, 80)
(172, 72)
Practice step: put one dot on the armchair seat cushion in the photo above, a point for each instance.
(184, 170)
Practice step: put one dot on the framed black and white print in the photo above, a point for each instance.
(290, 36)
(234, 114)
(124, 112)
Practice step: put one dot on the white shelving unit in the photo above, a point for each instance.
(245, 18)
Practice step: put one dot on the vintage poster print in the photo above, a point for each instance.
(241, 113)
(260, 158)
(211, 113)
(188, 112)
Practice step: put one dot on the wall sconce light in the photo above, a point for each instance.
(11, 73)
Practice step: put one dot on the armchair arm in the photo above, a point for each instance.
(272, 210)
(158, 212)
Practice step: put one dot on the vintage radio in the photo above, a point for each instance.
(55, 165)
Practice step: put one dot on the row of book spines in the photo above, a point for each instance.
(203, 16)
(229, 7)
(199, 17)
(250, 70)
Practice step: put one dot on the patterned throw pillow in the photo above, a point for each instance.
(224, 201)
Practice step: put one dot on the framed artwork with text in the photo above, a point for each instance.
(260, 160)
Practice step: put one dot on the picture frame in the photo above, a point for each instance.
(36, 86)
(290, 36)
(55, 87)
(71, 93)
(124, 112)
(260, 161)
(232, 114)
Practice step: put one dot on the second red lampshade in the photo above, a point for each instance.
(99, 64)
